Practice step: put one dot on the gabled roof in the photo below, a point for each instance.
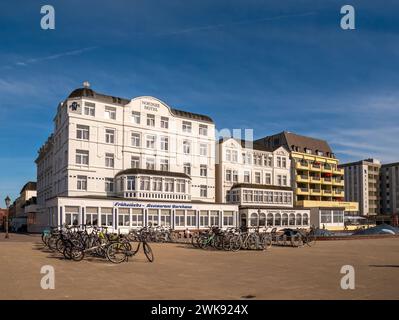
(296, 142)
(29, 186)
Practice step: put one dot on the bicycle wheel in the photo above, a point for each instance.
(52, 243)
(194, 241)
(295, 240)
(148, 252)
(67, 252)
(60, 245)
(203, 242)
(44, 238)
(252, 242)
(226, 243)
(311, 239)
(267, 240)
(236, 243)
(116, 252)
(77, 254)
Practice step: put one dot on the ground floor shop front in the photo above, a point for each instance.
(274, 217)
(123, 215)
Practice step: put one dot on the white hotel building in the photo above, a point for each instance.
(258, 180)
(130, 163)
(126, 163)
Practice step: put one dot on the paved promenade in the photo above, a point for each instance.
(181, 272)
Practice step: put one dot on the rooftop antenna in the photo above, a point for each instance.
(86, 84)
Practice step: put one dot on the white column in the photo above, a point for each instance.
(185, 219)
(98, 216)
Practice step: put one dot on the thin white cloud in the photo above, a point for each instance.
(236, 23)
(50, 57)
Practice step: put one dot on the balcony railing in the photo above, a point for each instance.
(315, 166)
(315, 192)
(302, 165)
(302, 178)
(327, 180)
(303, 191)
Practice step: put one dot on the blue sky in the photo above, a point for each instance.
(266, 65)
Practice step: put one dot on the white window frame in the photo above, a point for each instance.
(89, 109)
(82, 157)
(203, 149)
(186, 147)
(165, 143)
(82, 132)
(203, 130)
(81, 183)
(165, 122)
(110, 136)
(135, 139)
(187, 126)
(150, 120)
(164, 164)
(150, 141)
(136, 160)
(109, 160)
(136, 117)
(110, 113)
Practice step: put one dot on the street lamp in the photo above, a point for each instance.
(7, 201)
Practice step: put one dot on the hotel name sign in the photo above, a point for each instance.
(150, 106)
(151, 205)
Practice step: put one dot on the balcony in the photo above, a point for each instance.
(338, 193)
(302, 191)
(338, 171)
(302, 178)
(326, 180)
(315, 167)
(302, 165)
(315, 180)
(338, 182)
(315, 192)
(326, 193)
(326, 168)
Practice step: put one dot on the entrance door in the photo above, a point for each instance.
(243, 222)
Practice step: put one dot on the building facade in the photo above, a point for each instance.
(112, 148)
(258, 180)
(389, 186)
(317, 180)
(362, 185)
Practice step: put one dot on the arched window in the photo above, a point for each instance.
(254, 219)
(292, 219)
(305, 220)
(285, 219)
(262, 219)
(277, 219)
(270, 219)
(298, 219)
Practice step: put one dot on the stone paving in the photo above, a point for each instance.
(182, 272)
